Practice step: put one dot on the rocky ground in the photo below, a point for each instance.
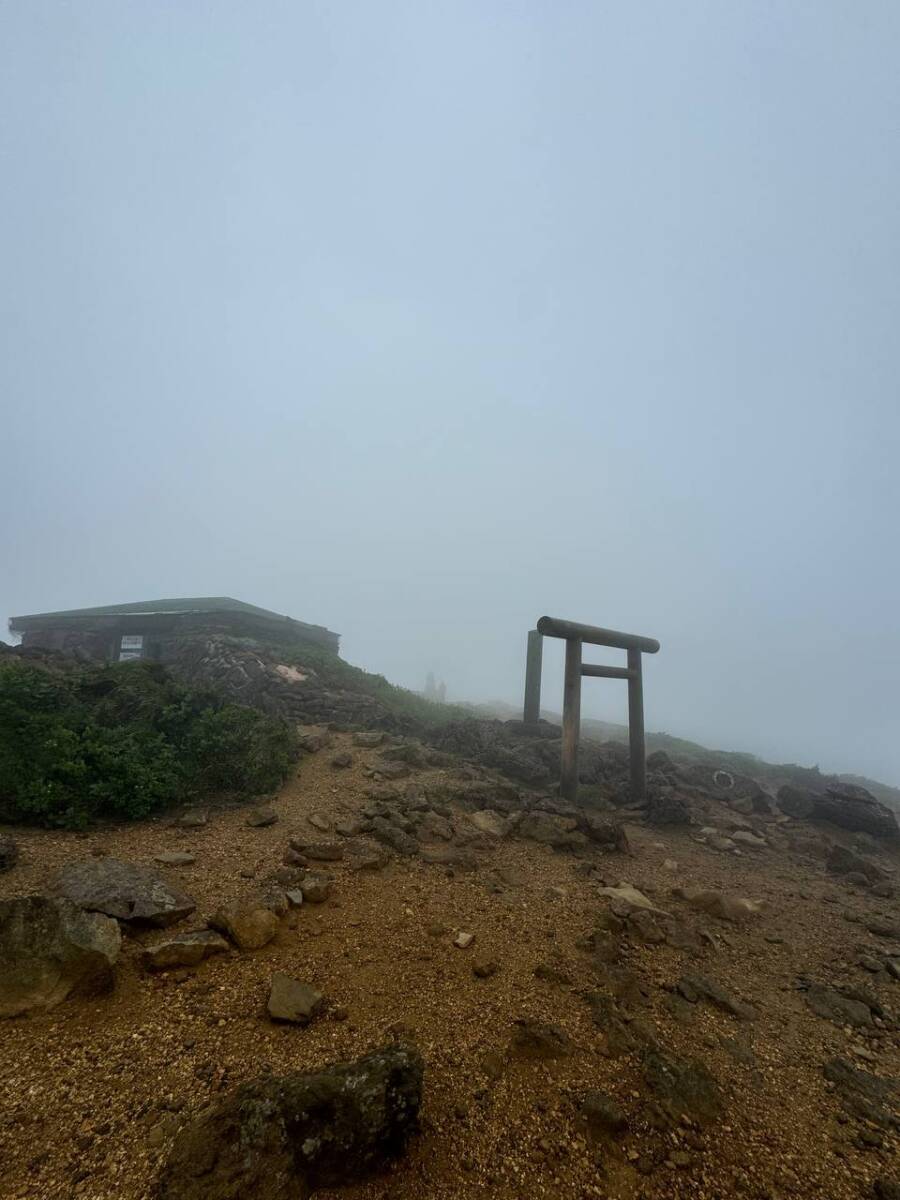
(576, 1042)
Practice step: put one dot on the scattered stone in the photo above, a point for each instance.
(832, 1006)
(193, 818)
(50, 949)
(9, 853)
(604, 1115)
(290, 1000)
(549, 829)
(718, 904)
(683, 1087)
(324, 851)
(604, 832)
(463, 939)
(666, 806)
(630, 898)
(551, 974)
(694, 987)
(319, 821)
(434, 826)
(646, 928)
(388, 769)
(864, 1095)
(449, 856)
(882, 927)
(485, 968)
(250, 924)
(392, 835)
(294, 897)
(261, 818)
(175, 858)
(183, 950)
(538, 1039)
(312, 738)
(287, 1135)
(123, 890)
(369, 740)
(842, 861)
(315, 888)
(489, 822)
(606, 1016)
(744, 837)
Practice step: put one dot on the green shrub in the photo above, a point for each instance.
(126, 741)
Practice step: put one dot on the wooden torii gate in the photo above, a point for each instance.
(575, 635)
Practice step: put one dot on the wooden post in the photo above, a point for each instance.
(533, 662)
(571, 726)
(636, 726)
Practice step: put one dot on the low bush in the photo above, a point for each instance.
(126, 741)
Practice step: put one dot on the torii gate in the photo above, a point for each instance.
(575, 635)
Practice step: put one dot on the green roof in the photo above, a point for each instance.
(201, 604)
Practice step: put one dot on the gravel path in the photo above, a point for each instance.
(92, 1092)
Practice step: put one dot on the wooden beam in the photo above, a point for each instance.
(571, 726)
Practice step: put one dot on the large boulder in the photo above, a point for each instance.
(852, 807)
(123, 890)
(843, 804)
(50, 949)
(280, 1137)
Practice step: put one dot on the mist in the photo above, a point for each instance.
(420, 321)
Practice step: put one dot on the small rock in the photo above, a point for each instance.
(319, 821)
(175, 858)
(485, 968)
(604, 1115)
(881, 927)
(260, 818)
(324, 851)
(249, 924)
(290, 1000)
(369, 739)
(342, 760)
(193, 818)
(463, 939)
(315, 888)
(539, 1039)
(313, 738)
(184, 950)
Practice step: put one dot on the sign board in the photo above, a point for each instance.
(131, 646)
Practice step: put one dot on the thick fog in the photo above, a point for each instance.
(422, 320)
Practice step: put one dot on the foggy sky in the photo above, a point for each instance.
(420, 320)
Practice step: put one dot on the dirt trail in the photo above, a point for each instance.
(92, 1092)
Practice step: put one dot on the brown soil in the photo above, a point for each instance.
(92, 1092)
